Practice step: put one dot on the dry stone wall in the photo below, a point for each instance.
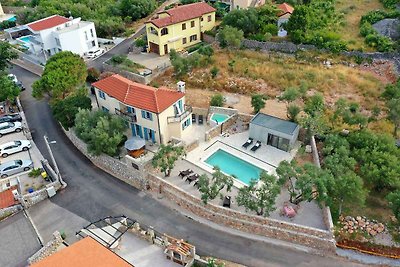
(48, 249)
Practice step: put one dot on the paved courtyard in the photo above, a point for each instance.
(18, 241)
(150, 60)
(141, 253)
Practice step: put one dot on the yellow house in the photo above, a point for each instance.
(154, 114)
(179, 27)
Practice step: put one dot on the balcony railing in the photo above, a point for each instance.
(130, 117)
(178, 118)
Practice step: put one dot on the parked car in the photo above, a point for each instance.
(13, 77)
(14, 147)
(95, 53)
(15, 80)
(10, 127)
(10, 118)
(15, 166)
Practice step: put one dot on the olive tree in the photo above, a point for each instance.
(166, 157)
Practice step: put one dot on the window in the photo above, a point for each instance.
(102, 94)
(184, 40)
(91, 32)
(186, 124)
(93, 43)
(183, 26)
(202, 19)
(105, 109)
(209, 18)
(192, 23)
(130, 110)
(193, 38)
(147, 115)
(164, 31)
(58, 42)
(86, 36)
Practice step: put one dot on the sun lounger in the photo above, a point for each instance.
(200, 119)
(193, 118)
(185, 173)
(256, 146)
(192, 178)
(248, 142)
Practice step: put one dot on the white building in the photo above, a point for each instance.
(54, 34)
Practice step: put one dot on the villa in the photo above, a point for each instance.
(54, 34)
(286, 11)
(153, 114)
(179, 27)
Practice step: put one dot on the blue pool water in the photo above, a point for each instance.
(233, 165)
(13, 18)
(24, 39)
(219, 118)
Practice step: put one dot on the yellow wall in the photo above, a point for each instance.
(174, 38)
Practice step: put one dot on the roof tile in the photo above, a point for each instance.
(285, 8)
(183, 13)
(47, 23)
(138, 95)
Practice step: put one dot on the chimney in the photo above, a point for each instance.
(181, 86)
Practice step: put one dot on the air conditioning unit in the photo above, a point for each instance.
(15, 194)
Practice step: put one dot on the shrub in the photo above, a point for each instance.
(394, 203)
(271, 28)
(140, 42)
(93, 75)
(230, 36)
(214, 72)
(217, 100)
(390, 3)
(7, 24)
(118, 59)
(35, 172)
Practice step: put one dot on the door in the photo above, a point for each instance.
(154, 48)
(146, 134)
(165, 49)
(133, 129)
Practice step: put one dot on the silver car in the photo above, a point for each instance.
(15, 166)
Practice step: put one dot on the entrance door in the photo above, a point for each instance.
(154, 48)
(165, 49)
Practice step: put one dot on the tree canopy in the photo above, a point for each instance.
(63, 74)
(6, 54)
(260, 198)
(102, 132)
(66, 109)
(136, 9)
(166, 157)
(258, 102)
(230, 37)
(8, 89)
(210, 188)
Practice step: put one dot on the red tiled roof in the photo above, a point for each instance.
(285, 8)
(138, 95)
(7, 198)
(183, 13)
(47, 23)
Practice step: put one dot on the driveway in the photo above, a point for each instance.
(18, 241)
(93, 194)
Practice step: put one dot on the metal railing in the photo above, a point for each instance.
(130, 117)
(181, 117)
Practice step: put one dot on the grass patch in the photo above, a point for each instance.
(126, 64)
(349, 29)
(248, 72)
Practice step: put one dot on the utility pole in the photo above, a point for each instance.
(46, 139)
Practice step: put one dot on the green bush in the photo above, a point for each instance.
(271, 28)
(391, 4)
(214, 72)
(118, 59)
(230, 36)
(217, 100)
(7, 24)
(141, 42)
(93, 75)
(35, 172)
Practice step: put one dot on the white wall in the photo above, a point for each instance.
(75, 40)
(260, 133)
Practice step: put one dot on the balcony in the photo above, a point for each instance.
(181, 117)
(129, 117)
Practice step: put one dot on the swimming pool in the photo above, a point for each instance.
(232, 165)
(13, 18)
(25, 39)
(219, 118)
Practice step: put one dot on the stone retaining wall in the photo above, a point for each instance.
(129, 75)
(48, 249)
(217, 129)
(302, 235)
(33, 198)
(9, 211)
(200, 111)
(113, 166)
(284, 47)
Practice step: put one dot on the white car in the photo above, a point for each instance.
(95, 53)
(10, 127)
(14, 147)
(13, 77)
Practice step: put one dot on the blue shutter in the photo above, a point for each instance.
(129, 109)
(180, 105)
(143, 114)
(133, 129)
(153, 136)
(146, 135)
(151, 116)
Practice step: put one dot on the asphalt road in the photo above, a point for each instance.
(92, 194)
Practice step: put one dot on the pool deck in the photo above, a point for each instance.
(267, 158)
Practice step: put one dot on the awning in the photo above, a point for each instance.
(134, 143)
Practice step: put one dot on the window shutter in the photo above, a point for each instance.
(143, 114)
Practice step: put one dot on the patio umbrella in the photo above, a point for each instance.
(134, 143)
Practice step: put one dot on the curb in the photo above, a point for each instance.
(26, 213)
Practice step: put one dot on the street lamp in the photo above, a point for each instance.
(46, 139)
